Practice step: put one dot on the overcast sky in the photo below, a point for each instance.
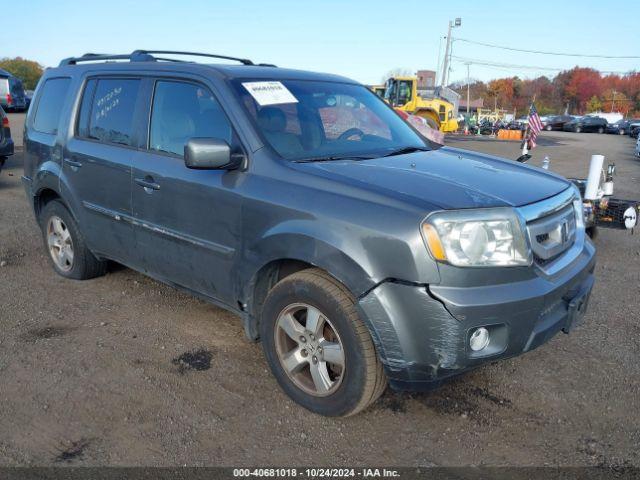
(359, 39)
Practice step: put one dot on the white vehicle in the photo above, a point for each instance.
(612, 117)
(638, 146)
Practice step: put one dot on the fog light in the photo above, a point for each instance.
(479, 339)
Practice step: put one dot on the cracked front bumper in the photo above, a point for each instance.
(422, 333)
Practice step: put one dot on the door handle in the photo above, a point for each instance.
(148, 184)
(73, 164)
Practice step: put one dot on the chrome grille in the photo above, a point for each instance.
(552, 230)
(550, 236)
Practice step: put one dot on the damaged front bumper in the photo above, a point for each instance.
(422, 332)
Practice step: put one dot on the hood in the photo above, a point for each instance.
(447, 178)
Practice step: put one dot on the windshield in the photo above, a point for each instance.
(324, 120)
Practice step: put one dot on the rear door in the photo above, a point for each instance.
(187, 221)
(97, 163)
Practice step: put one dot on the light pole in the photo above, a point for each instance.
(468, 83)
(613, 99)
(452, 24)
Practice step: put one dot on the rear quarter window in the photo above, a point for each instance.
(52, 98)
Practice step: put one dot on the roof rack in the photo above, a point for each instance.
(147, 56)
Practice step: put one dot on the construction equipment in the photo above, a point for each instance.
(378, 90)
(440, 112)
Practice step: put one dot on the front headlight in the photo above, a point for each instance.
(488, 237)
(578, 207)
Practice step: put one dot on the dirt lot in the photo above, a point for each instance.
(123, 370)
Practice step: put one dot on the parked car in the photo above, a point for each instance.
(28, 95)
(586, 124)
(638, 147)
(6, 143)
(356, 252)
(634, 129)
(557, 122)
(621, 127)
(11, 92)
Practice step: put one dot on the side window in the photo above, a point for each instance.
(112, 110)
(182, 111)
(52, 97)
(85, 108)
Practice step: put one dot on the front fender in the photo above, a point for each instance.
(308, 247)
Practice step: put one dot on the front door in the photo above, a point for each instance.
(187, 221)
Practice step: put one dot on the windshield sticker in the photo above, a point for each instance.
(269, 93)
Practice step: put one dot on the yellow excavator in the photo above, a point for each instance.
(402, 93)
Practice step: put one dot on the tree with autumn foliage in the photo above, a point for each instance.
(26, 70)
(576, 91)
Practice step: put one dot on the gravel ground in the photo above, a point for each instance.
(123, 370)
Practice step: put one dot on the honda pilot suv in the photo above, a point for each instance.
(357, 252)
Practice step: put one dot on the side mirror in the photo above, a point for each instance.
(209, 154)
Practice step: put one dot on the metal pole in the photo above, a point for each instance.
(446, 56)
(438, 64)
(613, 99)
(468, 86)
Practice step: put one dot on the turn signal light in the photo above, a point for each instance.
(433, 242)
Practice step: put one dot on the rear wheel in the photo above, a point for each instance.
(66, 246)
(318, 348)
(578, 129)
(548, 128)
(621, 131)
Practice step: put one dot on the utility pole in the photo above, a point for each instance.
(438, 64)
(613, 99)
(452, 24)
(468, 87)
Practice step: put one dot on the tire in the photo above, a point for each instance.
(621, 131)
(81, 264)
(578, 129)
(350, 388)
(548, 128)
(600, 130)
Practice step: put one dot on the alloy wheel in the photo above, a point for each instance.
(60, 243)
(309, 349)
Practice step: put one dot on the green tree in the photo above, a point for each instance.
(594, 104)
(27, 70)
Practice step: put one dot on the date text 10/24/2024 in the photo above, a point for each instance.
(316, 472)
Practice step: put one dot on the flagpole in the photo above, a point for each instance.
(527, 132)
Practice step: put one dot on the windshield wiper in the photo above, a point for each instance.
(333, 157)
(403, 150)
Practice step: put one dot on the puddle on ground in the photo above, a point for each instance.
(73, 452)
(198, 360)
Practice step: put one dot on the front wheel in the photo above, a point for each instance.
(621, 131)
(548, 128)
(317, 347)
(578, 129)
(601, 130)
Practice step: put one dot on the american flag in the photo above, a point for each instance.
(535, 125)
